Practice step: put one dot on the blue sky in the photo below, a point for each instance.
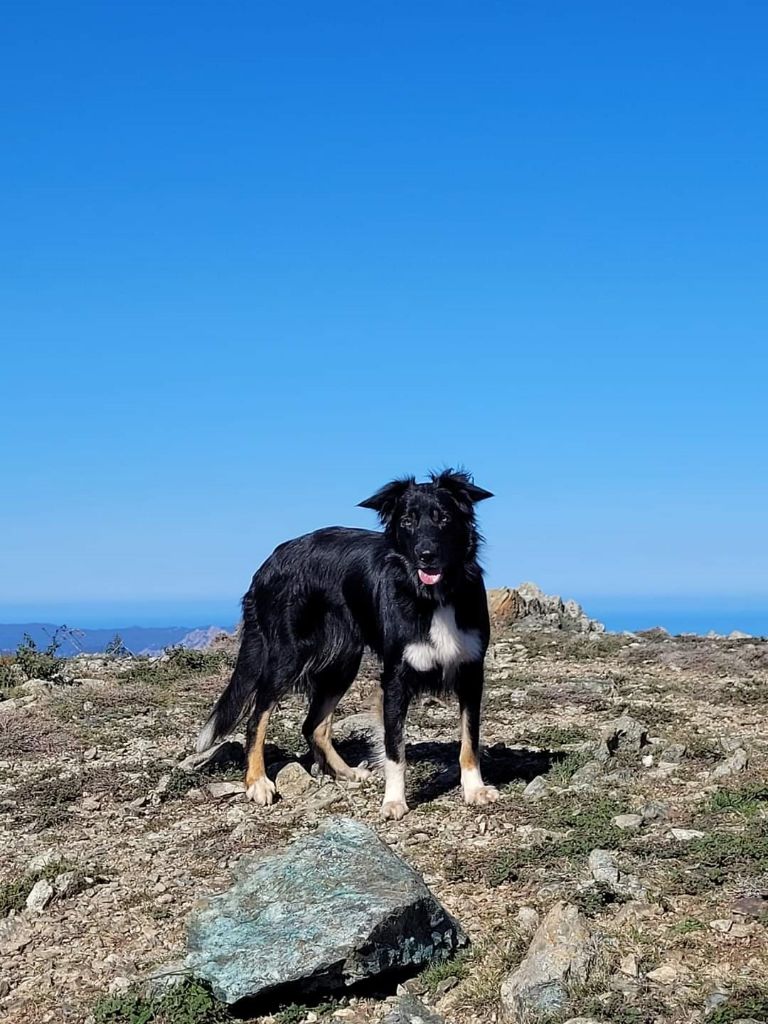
(258, 258)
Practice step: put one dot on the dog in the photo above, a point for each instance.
(412, 593)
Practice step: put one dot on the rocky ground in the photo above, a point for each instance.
(634, 786)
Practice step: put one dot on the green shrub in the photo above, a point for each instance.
(37, 664)
(187, 1003)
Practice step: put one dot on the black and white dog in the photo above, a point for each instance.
(413, 594)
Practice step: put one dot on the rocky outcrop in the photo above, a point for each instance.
(332, 909)
(528, 606)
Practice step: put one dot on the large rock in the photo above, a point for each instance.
(528, 605)
(560, 955)
(334, 908)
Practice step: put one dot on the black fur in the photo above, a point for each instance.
(318, 601)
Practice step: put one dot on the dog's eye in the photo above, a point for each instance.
(407, 522)
(440, 517)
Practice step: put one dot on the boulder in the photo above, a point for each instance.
(561, 955)
(332, 909)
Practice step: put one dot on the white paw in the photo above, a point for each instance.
(361, 774)
(393, 810)
(481, 795)
(262, 791)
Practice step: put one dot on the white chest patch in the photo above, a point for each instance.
(447, 646)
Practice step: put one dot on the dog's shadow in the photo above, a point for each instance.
(433, 768)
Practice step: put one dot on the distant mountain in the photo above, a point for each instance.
(137, 639)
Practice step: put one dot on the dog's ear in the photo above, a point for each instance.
(461, 486)
(385, 500)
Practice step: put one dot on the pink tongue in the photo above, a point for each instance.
(429, 578)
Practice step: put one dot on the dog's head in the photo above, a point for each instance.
(432, 524)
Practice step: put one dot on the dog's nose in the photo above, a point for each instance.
(426, 554)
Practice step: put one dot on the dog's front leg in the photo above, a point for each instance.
(396, 698)
(469, 687)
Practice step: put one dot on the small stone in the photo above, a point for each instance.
(43, 860)
(218, 790)
(715, 999)
(409, 1010)
(737, 762)
(119, 985)
(15, 934)
(605, 871)
(685, 835)
(588, 774)
(628, 821)
(293, 781)
(88, 706)
(536, 789)
(731, 743)
(741, 930)
(66, 884)
(647, 760)
(527, 920)
(90, 753)
(654, 811)
(5, 988)
(445, 986)
(161, 788)
(673, 754)
(664, 975)
(722, 925)
(90, 803)
(628, 965)
(40, 896)
(603, 866)
(622, 734)
(750, 906)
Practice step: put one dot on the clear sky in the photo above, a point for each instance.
(256, 258)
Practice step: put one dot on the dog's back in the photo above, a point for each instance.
(310, 608)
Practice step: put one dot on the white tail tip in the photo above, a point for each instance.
(207, 736)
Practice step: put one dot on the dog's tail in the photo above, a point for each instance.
(238, 697)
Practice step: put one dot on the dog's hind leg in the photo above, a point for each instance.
(259, 788)
(329, 687)
(317, 730)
